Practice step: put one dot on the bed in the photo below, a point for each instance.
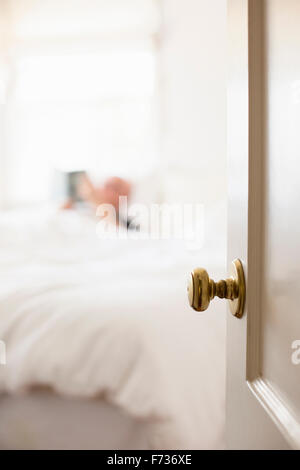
(102, 349)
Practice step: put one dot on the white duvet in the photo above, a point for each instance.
(109, 318)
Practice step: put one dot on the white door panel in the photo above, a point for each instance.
(263, 383)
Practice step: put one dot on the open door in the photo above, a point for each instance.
(263, 347)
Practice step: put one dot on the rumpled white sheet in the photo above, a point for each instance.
(109, 318)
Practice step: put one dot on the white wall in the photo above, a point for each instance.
(193, 68)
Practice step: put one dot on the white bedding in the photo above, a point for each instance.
(109, 318)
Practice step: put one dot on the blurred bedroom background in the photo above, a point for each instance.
(133, 88)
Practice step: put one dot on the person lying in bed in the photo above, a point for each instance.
(109, 193)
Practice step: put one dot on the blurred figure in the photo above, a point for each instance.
(109, 193)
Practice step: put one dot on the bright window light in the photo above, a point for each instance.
(84, 102)
(108, 75)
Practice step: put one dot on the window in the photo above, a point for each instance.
(81, 91)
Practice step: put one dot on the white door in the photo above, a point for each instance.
(263, 349)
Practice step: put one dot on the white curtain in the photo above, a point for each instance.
(78, 91)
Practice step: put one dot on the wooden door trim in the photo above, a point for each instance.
(282, 416)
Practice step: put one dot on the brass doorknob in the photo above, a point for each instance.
(201, 289)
